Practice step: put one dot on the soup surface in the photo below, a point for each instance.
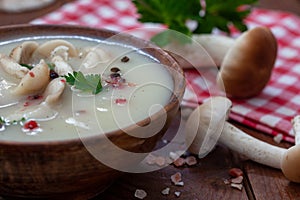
(94, 86)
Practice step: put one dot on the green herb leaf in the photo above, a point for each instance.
(87, 83)
(220, 14)
(172, 13)
(27, 66)
(4, 122)
(175, 14)
(51, 66)
(168, 36)
(70, 78)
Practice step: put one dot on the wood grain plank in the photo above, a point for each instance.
(203, 181)
(268, 183)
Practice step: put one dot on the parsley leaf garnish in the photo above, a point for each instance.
(175, 14)
(4, 122)
(27, 66)
(87, 83)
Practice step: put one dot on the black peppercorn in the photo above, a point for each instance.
(53, 74)
(115, 69)
(125, 59)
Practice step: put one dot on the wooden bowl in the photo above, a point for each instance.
(66, 168)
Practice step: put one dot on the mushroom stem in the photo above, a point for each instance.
(254, 149)
(288, 160)
(205, 50)
(296, 128)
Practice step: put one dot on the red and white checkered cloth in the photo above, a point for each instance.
(270, 112)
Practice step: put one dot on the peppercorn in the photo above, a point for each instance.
(125, 59)
(115, 69)
(53, 74)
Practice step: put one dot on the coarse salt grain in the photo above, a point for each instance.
(235, 172)
(191, 160)
(177, 194)
(175, 178)
(173, 155)
(166, 191)
(140, 194)
(237, 186)
(150, 159)
(179, 162)
(181, 183)
(238, 179)
(160, 161)
(278, 138)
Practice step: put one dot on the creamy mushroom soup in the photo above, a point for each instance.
(63, 88)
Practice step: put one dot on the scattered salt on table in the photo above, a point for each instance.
(237, 180)
(151, 159)
(160, 161)
(175, 178)
(237, 186)
(179, 162)
(278, 138)
(140, 194)
(180, 183)
(166, 191)
(177, 194)
(235, 172)
(191, 160)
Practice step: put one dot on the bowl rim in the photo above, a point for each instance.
(10, 32)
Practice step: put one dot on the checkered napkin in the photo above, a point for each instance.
(270, 112)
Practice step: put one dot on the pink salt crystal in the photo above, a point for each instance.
(235, 172)
(238, 179)
(175, 178)
(191, 160)
(179, 162)
(150, 159)
(160, 161)
(140, 194)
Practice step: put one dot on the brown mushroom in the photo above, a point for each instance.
(247, 67)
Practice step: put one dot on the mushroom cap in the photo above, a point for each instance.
(290, 164)
(205, 124)
(247, 67)
(48, 47)
(22, 53)
(34, 81)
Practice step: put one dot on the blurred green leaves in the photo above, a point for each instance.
(208, 15)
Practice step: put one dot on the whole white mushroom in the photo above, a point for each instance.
(288, 160)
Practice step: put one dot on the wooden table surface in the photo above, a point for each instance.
(206, 179)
